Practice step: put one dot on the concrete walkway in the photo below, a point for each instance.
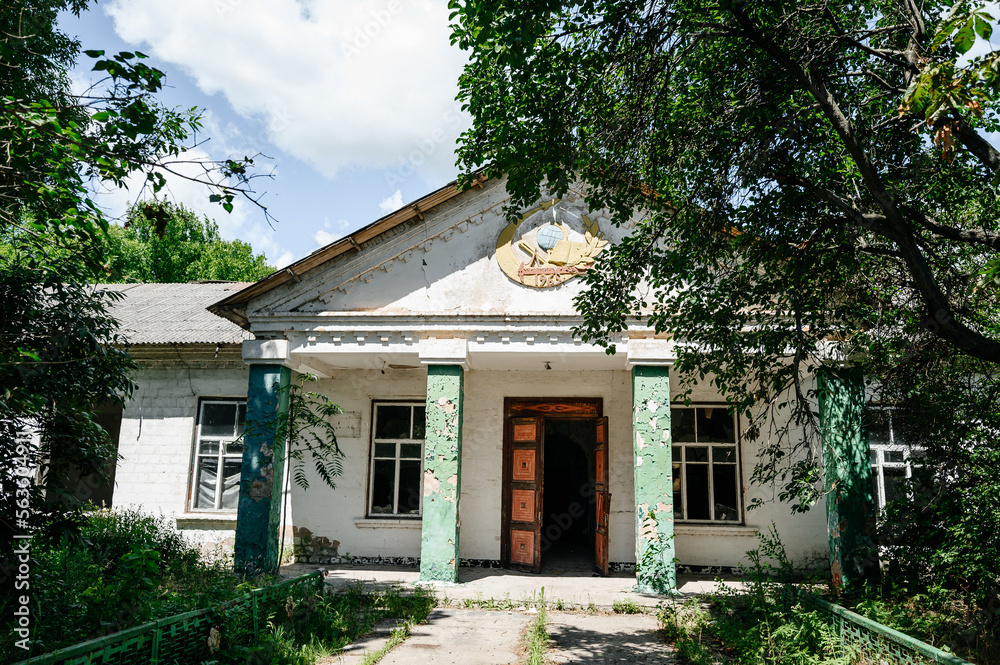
(454, 636)
(462, 637)
(481, 619)
(506, 589)
(605, 639)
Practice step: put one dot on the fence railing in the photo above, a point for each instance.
(870, 640)
(181, 639)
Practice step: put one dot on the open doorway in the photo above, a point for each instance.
(555, 485)
(569, 518)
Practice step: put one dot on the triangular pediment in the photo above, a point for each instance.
(460, 257)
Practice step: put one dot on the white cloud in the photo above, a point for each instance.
(391, 203)
(338, 83)
(331, 232)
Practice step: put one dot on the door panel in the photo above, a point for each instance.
(522, 515)
(603, 497)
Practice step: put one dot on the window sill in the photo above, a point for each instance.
(201, 518)
(714, 530)
(387, 523)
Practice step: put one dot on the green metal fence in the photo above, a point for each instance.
(181, 639)
(871, 641)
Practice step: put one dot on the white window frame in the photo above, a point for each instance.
(682, 517)
(395, 514)
(877, 455)
(222, 455)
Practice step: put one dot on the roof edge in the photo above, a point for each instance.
(233, 307)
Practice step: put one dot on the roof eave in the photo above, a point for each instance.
(233, 308)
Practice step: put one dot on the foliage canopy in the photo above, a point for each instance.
(815, 180)
(57, 340)
(164, 242)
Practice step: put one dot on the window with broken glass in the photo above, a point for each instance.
(890, 457)
(706, 457)
(396, 459)
(218, 455)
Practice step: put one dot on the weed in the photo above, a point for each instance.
(627, 606)
(536, 638)
(399, 634)
(693, 652)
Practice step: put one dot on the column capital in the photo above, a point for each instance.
(268, 352)
(653, 352)
(444, 352)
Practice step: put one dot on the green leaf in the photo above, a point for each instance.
(965, 37)
(983, 28)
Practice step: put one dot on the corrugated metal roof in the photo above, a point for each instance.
(175, 313)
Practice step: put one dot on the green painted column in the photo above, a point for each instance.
(850, 510)
(655, 570)
(442, 474)
(263, 472)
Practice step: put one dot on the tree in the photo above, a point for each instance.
(815, 177)
(163, 242)
(57, 358)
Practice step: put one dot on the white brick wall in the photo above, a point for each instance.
(156, 445)
(157, 441)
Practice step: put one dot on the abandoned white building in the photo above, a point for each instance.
(477, 429)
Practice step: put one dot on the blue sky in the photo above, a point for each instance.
(354, 100)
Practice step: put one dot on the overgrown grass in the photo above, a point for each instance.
(943, 618)
(756, 625)
(314, 624)
(126, 568)
(399, 635)
(753, 625)
(536, 638)
(627, 606)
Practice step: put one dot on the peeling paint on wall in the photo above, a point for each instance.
(256, 544)
(442, 459)
(655, 570)
(311, 548)
(847, 478)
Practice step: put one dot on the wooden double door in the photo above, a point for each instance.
(523, 511)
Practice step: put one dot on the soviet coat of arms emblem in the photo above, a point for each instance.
(542, 250)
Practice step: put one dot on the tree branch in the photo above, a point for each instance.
(973, 236)
(940, 318)
(978, 146)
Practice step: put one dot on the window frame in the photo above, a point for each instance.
(737, 444)
(370, 476)
(878, 450)
(221, 456)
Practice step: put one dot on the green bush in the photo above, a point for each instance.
(753, 625)
(126, 568)
(111, 535)
(310, 624)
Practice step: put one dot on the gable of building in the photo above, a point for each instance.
(446, 260)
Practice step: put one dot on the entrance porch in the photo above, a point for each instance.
(467, 503)
(500, 589)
